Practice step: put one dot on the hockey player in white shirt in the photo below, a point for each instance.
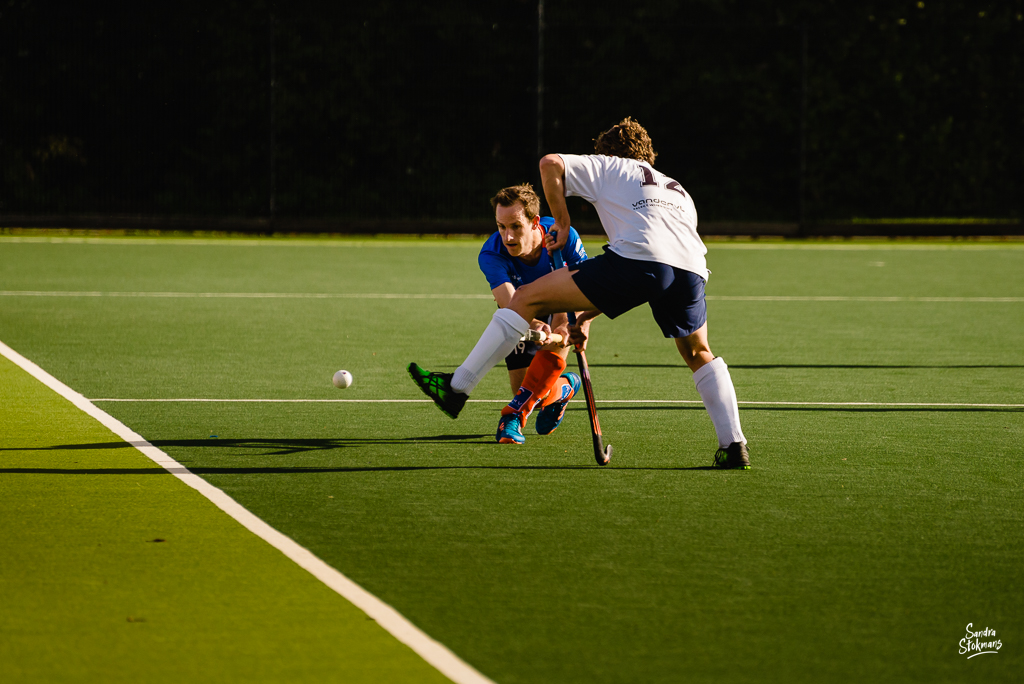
(653, 256)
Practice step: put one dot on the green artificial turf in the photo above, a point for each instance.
(859, 547)
(113, 570)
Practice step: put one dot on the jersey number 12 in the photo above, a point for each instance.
(649, 180)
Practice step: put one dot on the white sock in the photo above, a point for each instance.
(497, 342)
(714, 384)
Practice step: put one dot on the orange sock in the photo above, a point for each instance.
(541, 378)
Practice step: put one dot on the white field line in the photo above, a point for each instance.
(473, 242)
(371, 295)
(434, 653)
(470, 241)
(239, 295)
(798, 298)
(868, 246)
(933, 404)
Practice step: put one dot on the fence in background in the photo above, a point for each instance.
(392, 115)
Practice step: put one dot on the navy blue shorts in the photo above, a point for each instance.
(521, 356)
(616, 284)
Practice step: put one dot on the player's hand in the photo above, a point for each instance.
(562, 330)
(556, 238)
(549, 346)
(579, 333)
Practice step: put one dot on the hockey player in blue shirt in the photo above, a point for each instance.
(513, 256)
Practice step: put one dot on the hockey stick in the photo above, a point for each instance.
(602, 453)
(541, 337)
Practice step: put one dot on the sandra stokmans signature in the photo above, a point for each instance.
(979, 643)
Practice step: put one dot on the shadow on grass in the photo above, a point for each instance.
(300, 471)
(280, 447)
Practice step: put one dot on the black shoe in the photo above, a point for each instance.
(438, 386)
(733, 457)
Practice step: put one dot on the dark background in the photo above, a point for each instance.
(764, 111)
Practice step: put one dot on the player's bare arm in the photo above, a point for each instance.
(559, 326)
(552, 174)
(580, 333)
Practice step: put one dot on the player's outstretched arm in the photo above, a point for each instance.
(552, 175)
(579, 333)
(503, 294)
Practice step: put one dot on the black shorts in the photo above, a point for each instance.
(616, 284)
(521, 356)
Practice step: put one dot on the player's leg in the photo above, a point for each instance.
(553, 406)
(510, 428)
(451, 390)
(515, 379)
(694, 348)
(554, 292)
(682, 314)
(621, 283)
(518, 361)
(544, 383)
(562, 387)
(548, 385)
(541, 377)
(714, 384)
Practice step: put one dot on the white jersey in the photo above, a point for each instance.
(647, 215)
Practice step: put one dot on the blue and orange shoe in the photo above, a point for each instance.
(510, 429)
(551, 415)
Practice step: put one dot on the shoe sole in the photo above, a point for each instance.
(731, 467)
(508, 440)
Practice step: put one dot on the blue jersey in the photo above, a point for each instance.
(501, 267)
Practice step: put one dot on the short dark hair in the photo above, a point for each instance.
(522, 193)
(626, 139)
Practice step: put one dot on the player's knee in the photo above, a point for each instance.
(524, 293)
(695, 353)
(687, 354)
(524, 301)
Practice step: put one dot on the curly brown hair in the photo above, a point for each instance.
(522, 193)
(626, 139)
